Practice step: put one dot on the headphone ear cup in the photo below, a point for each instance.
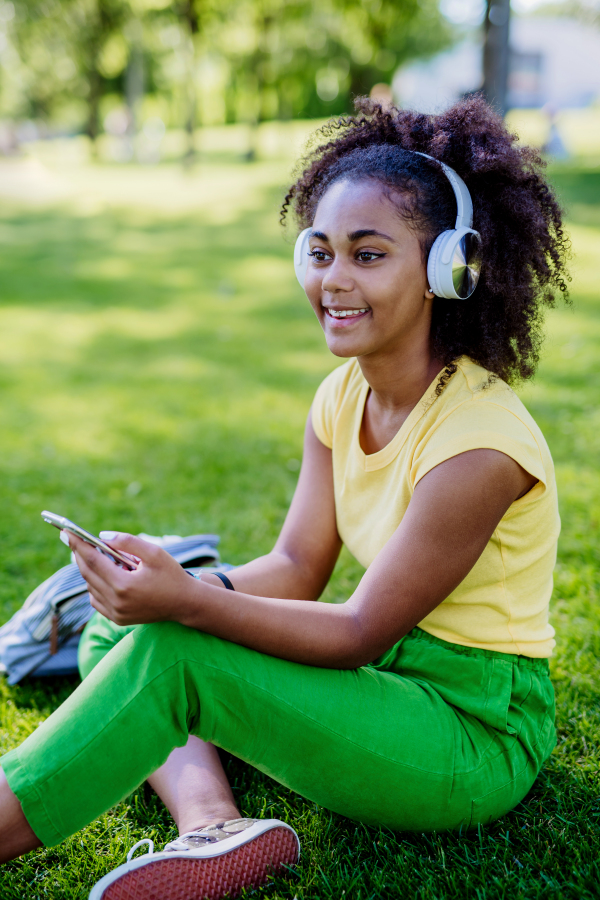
(434, 273)
(454, 264)
(301, 256)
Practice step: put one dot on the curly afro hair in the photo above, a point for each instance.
(524, 248)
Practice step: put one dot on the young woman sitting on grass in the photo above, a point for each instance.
(422, 702)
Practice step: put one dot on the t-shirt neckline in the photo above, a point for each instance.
(373, 461)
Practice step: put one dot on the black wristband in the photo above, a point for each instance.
(225, 580)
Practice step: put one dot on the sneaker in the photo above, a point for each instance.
(209, 864)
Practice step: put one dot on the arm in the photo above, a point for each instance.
(303, 558)
(451, 517)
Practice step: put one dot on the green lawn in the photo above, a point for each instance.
(157, 361)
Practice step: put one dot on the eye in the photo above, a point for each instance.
(368, 255)
(319, 255)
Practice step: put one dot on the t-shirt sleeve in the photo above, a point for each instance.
(326, 404)
(480, 425)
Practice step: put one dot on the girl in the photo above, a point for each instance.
(423, 701)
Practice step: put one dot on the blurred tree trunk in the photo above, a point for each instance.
(189, 12)
(96, 22)
(93, 107)
(496, 54)
(99, 22)
(134, 80)
(258, 63)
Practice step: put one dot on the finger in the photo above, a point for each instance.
(96, 603)
(101, 607)
(92, 563)
(109, 611)
(81, 547)
(90, 554)
(100, 595)
(120, 540)
(94, 581)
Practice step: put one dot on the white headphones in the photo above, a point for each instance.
(454, 263)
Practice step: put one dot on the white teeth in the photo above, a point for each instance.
(342, 313)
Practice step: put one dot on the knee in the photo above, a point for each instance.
(92, 646)
(162, 645)
(99, 636)
(169, 641)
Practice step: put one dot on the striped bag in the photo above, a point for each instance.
(42, 637)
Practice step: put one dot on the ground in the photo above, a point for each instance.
(157, 362)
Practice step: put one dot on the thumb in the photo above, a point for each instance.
(128, 542)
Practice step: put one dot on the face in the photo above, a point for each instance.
(366, 278)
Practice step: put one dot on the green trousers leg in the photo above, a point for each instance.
(99, 636)
(430, 737)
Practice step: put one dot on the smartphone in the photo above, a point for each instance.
(122, 559)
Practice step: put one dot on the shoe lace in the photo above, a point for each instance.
(150, 850)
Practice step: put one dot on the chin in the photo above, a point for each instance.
(344, 349)
(342, 354)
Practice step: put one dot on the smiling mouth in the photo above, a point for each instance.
(345, 313)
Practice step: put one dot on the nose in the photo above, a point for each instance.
(337, 277)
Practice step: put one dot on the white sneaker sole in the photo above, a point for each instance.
(210, 873)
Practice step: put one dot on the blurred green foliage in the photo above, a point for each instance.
(70, 62)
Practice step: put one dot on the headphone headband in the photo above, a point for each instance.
(464, 204)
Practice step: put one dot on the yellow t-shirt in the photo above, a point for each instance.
(502, 604)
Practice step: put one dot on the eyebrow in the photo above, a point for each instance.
(354, 235)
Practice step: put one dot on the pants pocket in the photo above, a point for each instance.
(499, 685)
(497, 803)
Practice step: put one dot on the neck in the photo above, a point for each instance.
(398, 378)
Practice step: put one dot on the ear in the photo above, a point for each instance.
(429, 295)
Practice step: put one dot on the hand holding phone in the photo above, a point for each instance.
(118, 556)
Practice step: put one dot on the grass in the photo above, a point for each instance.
(157, 362)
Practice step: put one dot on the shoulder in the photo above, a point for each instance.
(340, 385)
(478, 411)
(496, 405)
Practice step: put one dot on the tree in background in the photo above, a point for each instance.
(65, 47)
(274, 58)
(193, 15)
(496, 53)
(380, 35)
(301, 59)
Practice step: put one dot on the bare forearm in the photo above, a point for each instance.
(274, 575)
(317, 634)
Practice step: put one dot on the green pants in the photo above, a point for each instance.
(430, 736)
